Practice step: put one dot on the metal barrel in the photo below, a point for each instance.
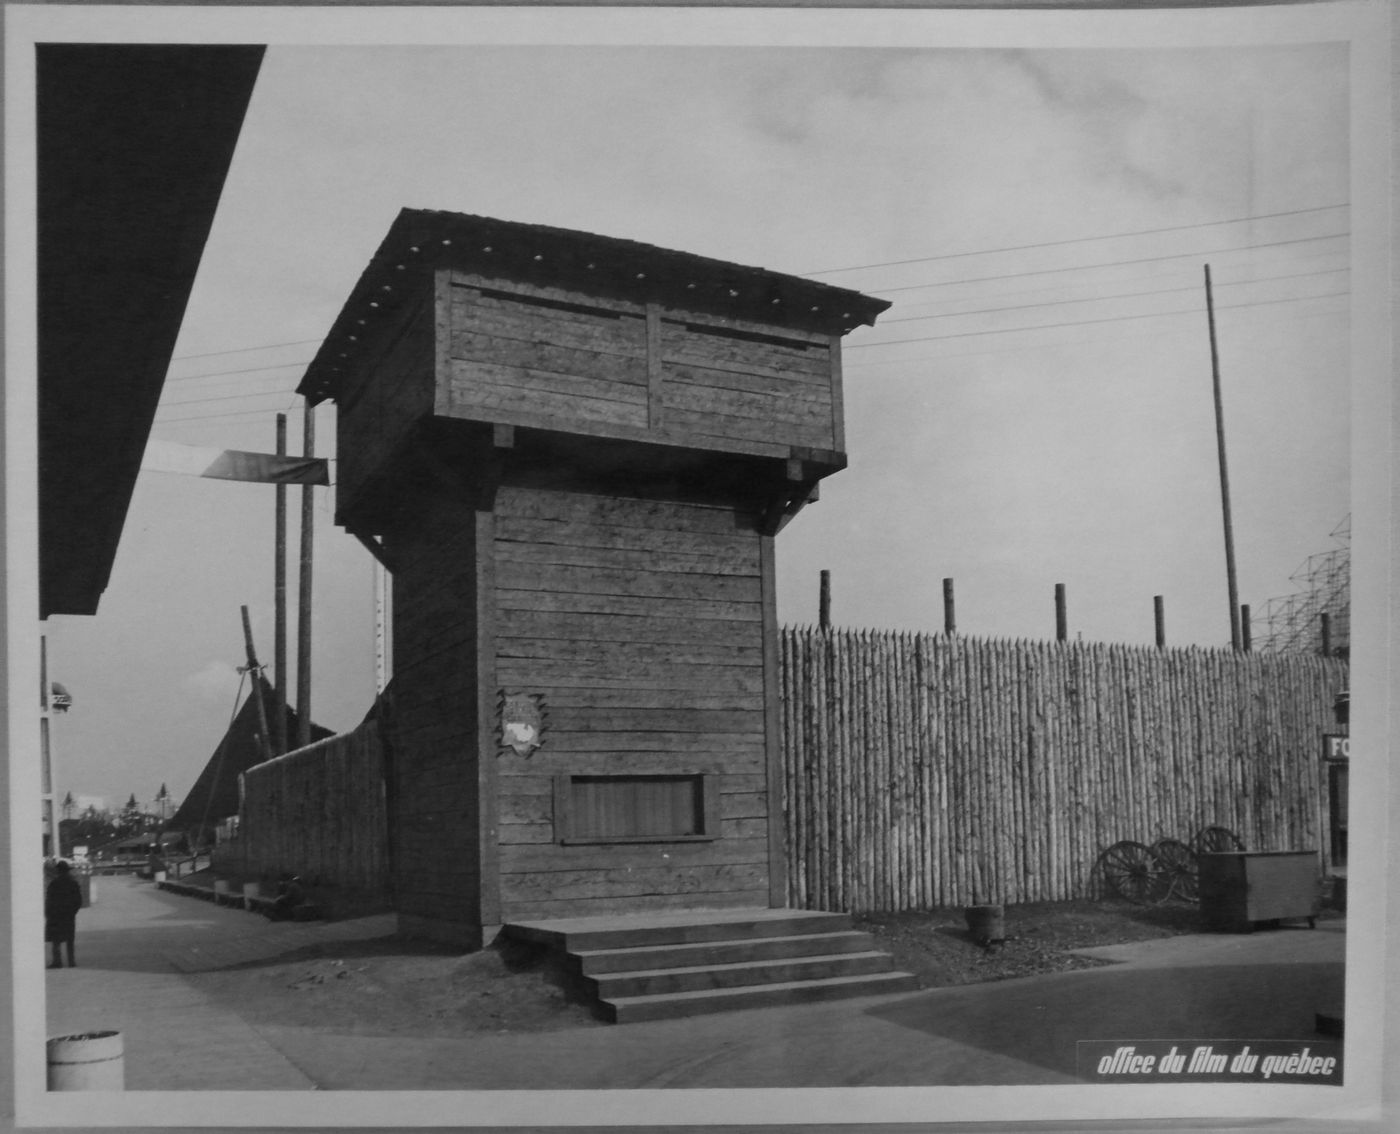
(90, 1061)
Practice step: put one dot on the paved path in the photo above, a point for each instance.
(133, 944)
(137, 942)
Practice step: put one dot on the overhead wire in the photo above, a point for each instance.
(1079, 240)
(1117, 263)
(1089, 322)
(1106, 297)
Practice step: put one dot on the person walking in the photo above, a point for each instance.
(63, 898)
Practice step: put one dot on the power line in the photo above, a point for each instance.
(1116, 263)
(212, 416)
(1093, 340)
(1089, 322)
(244, 350)
(225, 398)
(1105, 298)
(246, 370)
(1153, 275)
(1078, 240)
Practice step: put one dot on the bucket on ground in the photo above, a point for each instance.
(251, 890)
(220, 886)
(89, 1061)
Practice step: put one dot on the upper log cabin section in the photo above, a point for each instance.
(586, 350)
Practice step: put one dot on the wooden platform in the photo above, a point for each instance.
(660, 966)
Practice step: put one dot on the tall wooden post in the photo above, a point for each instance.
(950, 623)
(1230, 582)
(1246, 633)
(279, 586)
(304, 594)
(1326, 635)
(824, 602)
(1159, 617)
(1061, 614)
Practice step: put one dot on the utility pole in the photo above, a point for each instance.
(304, 595)
(279, 574)
(1230, 582)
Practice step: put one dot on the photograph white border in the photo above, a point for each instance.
(1365, 26)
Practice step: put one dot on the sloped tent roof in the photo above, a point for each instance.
(215, 793)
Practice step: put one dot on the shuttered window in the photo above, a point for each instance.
(634, 808)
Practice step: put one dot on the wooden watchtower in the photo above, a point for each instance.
(573, 453)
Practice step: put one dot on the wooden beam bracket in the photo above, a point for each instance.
(376, 548)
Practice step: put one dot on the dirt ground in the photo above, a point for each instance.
(393, 987)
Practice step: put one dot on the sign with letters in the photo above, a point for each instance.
(1335, 746)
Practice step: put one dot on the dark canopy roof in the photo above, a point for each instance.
(215, 793)
(134, 143)
(423, 239)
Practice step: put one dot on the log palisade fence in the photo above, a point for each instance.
(924, 771)
(319, 812)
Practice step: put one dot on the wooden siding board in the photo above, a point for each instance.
(725, 551)
(621, 512)
(661, 560)
(645, 606)
(536, 673)
(516, 325)
(622, 653)
(475, 389)
(587, 372)
(600, 627)
(681, 315)
(482, 281)
(732, 428)
(573, 579)
(774, 413)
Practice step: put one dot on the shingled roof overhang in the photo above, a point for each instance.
(134, 142)
(422, 240)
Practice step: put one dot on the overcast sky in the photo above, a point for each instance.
(984, 192)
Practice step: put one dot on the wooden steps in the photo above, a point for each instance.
(672, 965)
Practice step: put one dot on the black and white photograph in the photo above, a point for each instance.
(690, 566)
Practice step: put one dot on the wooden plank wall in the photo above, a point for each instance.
(319, 812)
(435, 802)
(746, 382)
(549, 358)
(543, 356)
(641, 623)
(391, 392)
(925, 771)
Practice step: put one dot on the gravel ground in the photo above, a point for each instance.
(393, 987)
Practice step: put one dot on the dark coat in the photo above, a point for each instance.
(62, 900)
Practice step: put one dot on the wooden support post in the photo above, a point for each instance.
(824, 602)
(1061, 615)
(279, 587)
(1326, 635)
(950, 622)
(1246, 636)
(308, 518)
(1159, 617)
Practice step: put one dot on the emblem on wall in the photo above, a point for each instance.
(522, 721)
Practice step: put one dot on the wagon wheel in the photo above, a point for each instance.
(1131, 871)
(1179, 861)
(1214, 840)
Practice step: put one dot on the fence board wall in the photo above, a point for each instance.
(925, 771)
(318, 812)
